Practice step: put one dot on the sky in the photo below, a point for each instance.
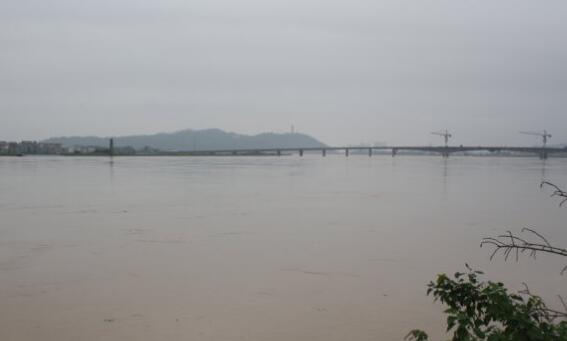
(345, 72)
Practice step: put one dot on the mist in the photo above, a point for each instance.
(344, 72)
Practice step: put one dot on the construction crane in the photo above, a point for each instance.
(445, 134)
(543, 135)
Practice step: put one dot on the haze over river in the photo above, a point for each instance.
(258, 248)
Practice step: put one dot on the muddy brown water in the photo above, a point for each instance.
(245, 248)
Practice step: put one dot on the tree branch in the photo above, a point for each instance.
(558, 192)
(509, 243)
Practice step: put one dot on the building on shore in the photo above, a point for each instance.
(31, 148)
(4, 147)
(42, 148)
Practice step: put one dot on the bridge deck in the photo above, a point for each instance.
(436, 149)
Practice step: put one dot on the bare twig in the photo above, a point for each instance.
(510, 242)
(562, 302)
(537, 234)
(552, 313)
(531, 245)
(558, 192)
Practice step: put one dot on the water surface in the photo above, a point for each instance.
(267, 248)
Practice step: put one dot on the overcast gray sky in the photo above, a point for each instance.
(343, 71)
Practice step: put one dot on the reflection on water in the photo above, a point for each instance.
(244, 248)
(543, 164)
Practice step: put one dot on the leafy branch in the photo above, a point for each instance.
(551, 313)
(485, 310)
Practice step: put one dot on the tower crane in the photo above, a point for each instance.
(544, 135)
(445, 134)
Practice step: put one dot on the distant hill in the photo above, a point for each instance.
(187, 140)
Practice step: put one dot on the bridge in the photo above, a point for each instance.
(445, 151)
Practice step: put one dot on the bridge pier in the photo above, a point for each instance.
(346, 152)
(111, 147)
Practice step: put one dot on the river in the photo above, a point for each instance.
(259, 248)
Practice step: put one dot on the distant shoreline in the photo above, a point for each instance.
(191, 154)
